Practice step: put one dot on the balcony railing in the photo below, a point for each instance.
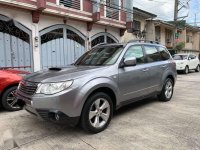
(75, 4)
(112, 13)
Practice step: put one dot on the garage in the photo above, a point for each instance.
(15, 45)
(60, 45)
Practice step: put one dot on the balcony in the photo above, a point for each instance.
(112, 13)
(75, 4)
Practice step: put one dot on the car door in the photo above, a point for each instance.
(155, 67)
(132, 79)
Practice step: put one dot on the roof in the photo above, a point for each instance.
(145, 14)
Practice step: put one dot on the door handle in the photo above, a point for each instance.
(145, 70)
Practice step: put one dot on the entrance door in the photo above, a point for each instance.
(15, 49)
(60, 46)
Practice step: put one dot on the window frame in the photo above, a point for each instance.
(146, 55)
(141, 45)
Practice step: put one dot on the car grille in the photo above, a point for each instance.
(28, 88)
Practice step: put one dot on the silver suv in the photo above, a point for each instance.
(102, 80)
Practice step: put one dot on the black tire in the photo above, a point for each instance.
(163, 96)
(197, 69)
(86, 122)
(8, 94)
(186, 71)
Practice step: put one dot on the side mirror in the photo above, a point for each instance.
(131, 61)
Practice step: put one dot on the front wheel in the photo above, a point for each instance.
(9, 101)
(197, 68)
(97, 113)
(186, 71)
(167, 91)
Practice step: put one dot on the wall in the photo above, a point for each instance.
(25, 18)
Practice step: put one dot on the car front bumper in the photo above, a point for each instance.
(61, 107)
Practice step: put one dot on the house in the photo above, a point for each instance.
(142, 26)
(188, 34)
(38, 34)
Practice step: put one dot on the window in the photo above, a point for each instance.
(152, 54)
(188, 39)
(52, 35)
(192, 56)
(164, 53)
(168, 36)
(137, 25)
(137, 52)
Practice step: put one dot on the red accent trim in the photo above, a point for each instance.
(122, 31)
(87, 6)
(96, 16)
(27, 1)
(41, 4)
(36, 16)
(89, 26)
(102, 10)
(112, 21)
(68, 11)
(129, 25)
(123, 16)
(52, 1)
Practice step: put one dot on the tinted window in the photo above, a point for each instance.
(137, 52)
(100, 56)
(164, 54)
(152, 54)
(192, 56)
(180, 57)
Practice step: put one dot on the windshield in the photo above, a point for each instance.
(100, 56)
(180, 57)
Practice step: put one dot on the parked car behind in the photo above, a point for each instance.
(9, 80)
(186, 62)
(101, 81)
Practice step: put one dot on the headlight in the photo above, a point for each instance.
(52, 88)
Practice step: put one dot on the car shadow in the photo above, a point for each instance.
(135, 105)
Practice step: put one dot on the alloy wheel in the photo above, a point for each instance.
(12, 100)
(99, 113)
(168, 89)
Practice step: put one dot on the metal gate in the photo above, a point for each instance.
(15, 48)
(60, 46)
(103, 38)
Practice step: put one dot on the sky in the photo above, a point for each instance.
(164, 9)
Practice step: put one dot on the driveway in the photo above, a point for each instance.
(145, 125)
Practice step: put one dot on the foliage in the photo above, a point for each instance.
(180, 46)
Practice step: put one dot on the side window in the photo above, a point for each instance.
(164, 53)
(137, 52)
(152, 54)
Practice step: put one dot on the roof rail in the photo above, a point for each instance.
(144, 41)
(98, 45)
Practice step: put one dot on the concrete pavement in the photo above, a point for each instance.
(145, 125)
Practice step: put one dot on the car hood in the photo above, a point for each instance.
(62, 74)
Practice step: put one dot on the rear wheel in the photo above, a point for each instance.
(97, 113)
(186, 71)
(167, 91)
(197, 69)
(9, 101)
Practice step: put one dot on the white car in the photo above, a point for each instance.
(186, 62)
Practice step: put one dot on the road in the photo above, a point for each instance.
(145, 125)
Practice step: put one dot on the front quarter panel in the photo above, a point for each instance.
(93, 85)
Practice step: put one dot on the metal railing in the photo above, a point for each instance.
(75, 4)
(112, 13)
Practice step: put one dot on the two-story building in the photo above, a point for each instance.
(143, 26)
(37, 34)
(188, 34)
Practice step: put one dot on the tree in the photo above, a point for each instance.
(180, 46)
